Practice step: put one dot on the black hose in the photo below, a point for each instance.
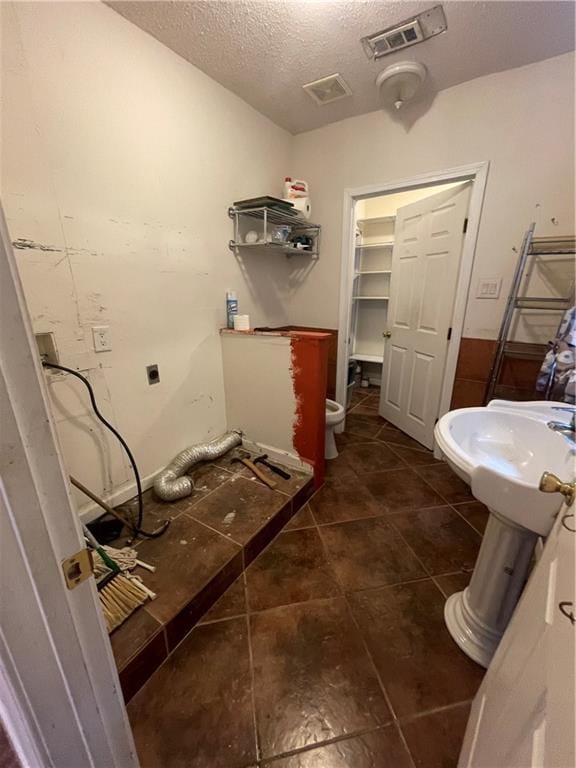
(137, 529)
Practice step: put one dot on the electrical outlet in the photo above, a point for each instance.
(47, 347)
(101, 338)
(153, 374)
(488, 288)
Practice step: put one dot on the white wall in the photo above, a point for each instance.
(123, 158)
(521, 120)
(259, 386)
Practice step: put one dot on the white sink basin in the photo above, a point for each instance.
(502, 450)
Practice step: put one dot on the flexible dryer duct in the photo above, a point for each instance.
(172, 484)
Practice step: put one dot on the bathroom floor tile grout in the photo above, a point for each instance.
(215, 530)
(343, 593)
(253, 688)
(393, 720)
(461, 516)
(448, 503)
(269, 761)
(372, 661)
(433, 711)
(403, 739)
(363, 639)
(187, 509)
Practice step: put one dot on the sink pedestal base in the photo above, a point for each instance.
(477, 617)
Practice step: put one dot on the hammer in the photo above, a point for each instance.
(245, 459)
(264, 460)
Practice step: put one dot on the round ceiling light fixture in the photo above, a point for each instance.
(400, 82)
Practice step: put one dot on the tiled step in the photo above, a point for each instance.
(214, 535)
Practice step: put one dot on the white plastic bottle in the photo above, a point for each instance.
(287, 186)
(298, 188)
(231, 308)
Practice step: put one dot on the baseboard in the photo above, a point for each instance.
(276, 454)
(92, 511)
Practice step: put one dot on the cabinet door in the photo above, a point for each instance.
(523, 714)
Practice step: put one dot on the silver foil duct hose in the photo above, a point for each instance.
(172, 483)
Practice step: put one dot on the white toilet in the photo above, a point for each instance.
(334, 415)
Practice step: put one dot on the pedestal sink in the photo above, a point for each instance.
(502, 451)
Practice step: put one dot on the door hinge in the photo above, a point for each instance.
(77, 568)
(465, 225)
(449, 334)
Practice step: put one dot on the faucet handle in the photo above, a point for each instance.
(549, 483)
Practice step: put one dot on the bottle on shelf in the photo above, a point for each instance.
(231, 308)
(294, 188)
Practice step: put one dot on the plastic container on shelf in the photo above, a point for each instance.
(303, 205)
(231, 308)
(295, 188)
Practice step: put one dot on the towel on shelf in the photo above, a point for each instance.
(557, 377)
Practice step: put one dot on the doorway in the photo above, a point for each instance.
(406, 266)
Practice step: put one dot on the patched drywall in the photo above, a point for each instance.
(521, 121)
(119, 161)
(258, 381)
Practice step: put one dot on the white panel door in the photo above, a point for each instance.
(425, 264)
(524, 712)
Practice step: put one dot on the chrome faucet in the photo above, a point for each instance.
(568, 430)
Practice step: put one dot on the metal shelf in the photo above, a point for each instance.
(374, 272)
(541, 302)
(268, 219)
(370, 298)
(274, 216)
(525, 351)
(532, 247)
(273, 246)
(552, 246)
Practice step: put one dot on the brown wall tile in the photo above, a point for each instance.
(520, 374)
(517, 377)
(467, 394)
(475, 359)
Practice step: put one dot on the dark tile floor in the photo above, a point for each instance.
(214, 534)
(330, 649)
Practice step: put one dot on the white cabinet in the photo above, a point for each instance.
(371, 290)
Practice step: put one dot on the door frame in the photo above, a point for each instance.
(477, 173)
(64, 704)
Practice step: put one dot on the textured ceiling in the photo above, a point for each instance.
(265, 50)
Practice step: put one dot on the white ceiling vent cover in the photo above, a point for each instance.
(328, 89)
(409, 32)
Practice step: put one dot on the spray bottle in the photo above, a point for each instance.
(231, 308)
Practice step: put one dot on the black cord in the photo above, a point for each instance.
(137, 529)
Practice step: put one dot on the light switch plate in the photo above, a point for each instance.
(101, 338)
(488, 288)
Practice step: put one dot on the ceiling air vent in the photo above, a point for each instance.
(328, 89)
(409, 32)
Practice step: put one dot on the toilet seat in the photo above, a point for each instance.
(335, 414)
